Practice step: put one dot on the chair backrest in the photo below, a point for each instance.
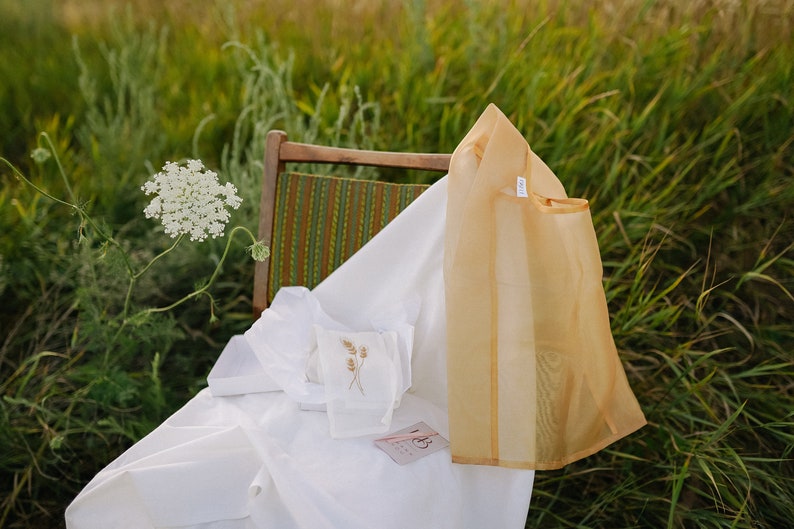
(313, 223)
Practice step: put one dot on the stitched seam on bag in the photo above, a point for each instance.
(494, 345)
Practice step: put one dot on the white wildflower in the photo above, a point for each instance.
(189, 200)
(40, 155)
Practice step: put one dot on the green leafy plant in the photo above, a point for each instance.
(190, 203)
(113, 324)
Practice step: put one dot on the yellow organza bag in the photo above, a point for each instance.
(534, 378)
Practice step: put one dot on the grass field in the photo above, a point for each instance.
(675, 119)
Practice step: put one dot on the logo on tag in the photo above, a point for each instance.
(409, 444)
(521, 187)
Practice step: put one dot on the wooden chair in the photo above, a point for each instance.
(313, 223)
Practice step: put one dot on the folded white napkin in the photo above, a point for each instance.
(300, 349)
(361, 375)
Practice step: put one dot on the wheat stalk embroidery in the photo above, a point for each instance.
(354, 361)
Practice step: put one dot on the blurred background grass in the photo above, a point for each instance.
(673, 118)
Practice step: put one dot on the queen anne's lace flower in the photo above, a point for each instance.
(189, 200)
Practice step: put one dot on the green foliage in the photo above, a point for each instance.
(672, 118)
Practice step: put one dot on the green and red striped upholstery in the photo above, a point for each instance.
(320, 221)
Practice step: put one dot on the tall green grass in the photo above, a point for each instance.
(673, 118)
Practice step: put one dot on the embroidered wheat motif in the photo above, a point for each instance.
(354, 361)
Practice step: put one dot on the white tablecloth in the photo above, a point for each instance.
(256, 460)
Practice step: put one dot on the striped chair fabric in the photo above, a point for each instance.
(314, 223)
(320, 221)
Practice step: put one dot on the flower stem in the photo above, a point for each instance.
(134, 276)
(61, 170)
(204, 289)
(85, 218)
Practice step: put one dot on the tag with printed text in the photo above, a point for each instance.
(521, 187)
(412, 443)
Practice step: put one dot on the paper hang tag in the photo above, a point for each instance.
(521, 187)
(412, 443)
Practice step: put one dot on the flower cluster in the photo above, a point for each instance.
(189, 200)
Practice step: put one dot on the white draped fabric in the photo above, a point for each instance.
(244, 454)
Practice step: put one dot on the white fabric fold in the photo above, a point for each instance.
(237, 371)
(187, 476)
(285, 341)
(256, 460)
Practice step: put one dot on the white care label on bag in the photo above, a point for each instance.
(521, 187)
(412, 443)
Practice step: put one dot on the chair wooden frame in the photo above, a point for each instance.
(279, 152)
